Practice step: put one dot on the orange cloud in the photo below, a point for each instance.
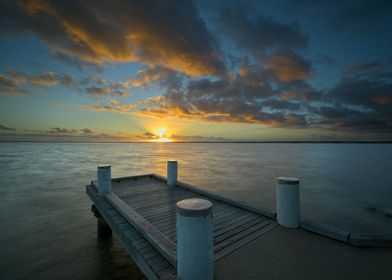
(123, 31)
(289, 67)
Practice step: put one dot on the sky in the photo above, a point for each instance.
(202, 70)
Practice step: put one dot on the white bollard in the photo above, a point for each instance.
(287, 202)
(104, 175)
(195, 254)
(171, 172)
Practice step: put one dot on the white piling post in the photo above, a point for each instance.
(287, 202)
(104, 175)
(195, 255)
(172, 172)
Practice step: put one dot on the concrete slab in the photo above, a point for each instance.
(298, 254)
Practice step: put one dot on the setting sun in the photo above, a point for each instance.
(161, 136)
(161, 132)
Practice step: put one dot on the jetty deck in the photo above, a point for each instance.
(142, 212)
(248, 242)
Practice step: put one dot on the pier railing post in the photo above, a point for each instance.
(104, 176)
(172, 167)
(195, 255)
(287, 202)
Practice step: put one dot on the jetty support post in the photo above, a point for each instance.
(103, 229)
(172, 167)
(288, 202)
(104, 182)
(104, 176)
(195, 255)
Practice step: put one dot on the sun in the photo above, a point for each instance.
(161, 133)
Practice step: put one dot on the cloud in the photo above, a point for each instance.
(96, 87)
(323, 58)
(236, 100)
(78, 62)
(3, 127)
(361, 101)
(105, 91)
(9, 86)
(289, 67)
(12, 85)
(44, 79)
(362, 12)
(151, 76)
(256, 32)
(93, 86)
(148, 136)
(181, 138)
(111, 106)
(87, 131)
(152, 32)
(61, 130)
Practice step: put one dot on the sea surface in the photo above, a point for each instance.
(48, 232)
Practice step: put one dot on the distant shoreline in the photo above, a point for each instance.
(203, 142)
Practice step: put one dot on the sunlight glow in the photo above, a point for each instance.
(161, 132)
(161, 136)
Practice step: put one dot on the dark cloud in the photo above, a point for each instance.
(93, 86)
(87, 131)
(323, 58)
(289, 67)
(3, 127)
(110, 106)
(256, 32)
(249, 98)
(153, 32)
(148, 135)
(362, 100)
(105, 91)
(44, 79)
(362, 12)
(61, 130)
(9, 86)
(152, 77)
(75, 61)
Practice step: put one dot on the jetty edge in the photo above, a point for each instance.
(142, 211)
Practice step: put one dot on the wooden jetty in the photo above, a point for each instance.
(141, 210)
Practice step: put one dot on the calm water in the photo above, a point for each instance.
(48, 232)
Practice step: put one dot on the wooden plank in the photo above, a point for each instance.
(155, 193)
(242, 242)
(169, 223)
(228, 219)
(169, 202)
(163, 217)
(129, 247)
(236, 229)
(166, 271)
(160, 242)
(238, 203)
(239, 235)
(235, 225)
(161, 265)
(227, 216)
(163, 202)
